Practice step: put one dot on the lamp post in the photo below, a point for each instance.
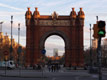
(90, 51)
(1, 37)
(18, 42)
(11, 39)
(1, 30)
(19, 49)
(18, 34)
(1, 25)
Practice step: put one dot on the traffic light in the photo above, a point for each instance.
(101, 28)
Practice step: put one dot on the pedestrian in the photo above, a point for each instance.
(49, 68)
(52, 68)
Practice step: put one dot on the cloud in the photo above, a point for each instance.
(52, 46)
(54, 42)
(63, 7)
(22, 39)
(54, 3)
(6, 28)
(54, 38)
(86, 29)
(6, 13)
(50, 51)
(10, 7)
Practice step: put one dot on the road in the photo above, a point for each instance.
(46, 75)
(53, 78)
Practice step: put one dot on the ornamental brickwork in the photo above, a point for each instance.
(69, 27)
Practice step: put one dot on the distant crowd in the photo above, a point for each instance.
(53, 68)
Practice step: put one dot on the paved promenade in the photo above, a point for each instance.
(45, 74)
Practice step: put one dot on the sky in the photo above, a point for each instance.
(17, 8)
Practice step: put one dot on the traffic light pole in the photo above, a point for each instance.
(90, 70)
(99, 58)
(99, 32)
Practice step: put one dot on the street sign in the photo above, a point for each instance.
(19, 49)
(6, 53)
(11, 49)
(43, 51)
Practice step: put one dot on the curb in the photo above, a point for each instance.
(23, 76)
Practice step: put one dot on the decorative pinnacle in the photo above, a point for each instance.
(81, 14)
(80, 9)
(73, 9)
(36, 8)
(28, 8)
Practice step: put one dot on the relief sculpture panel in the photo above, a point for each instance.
(54, 22)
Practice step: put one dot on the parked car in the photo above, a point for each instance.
(7, 64)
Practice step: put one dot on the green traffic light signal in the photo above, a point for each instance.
(101, 32)
(101, 28)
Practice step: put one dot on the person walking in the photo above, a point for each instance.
(52, 68)
(49, 68)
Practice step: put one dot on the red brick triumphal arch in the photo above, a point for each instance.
(69, 27)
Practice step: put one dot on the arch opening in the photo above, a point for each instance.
(64, 43)
(55, 46)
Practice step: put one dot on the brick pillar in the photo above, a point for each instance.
(28, 60)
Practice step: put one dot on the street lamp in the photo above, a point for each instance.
(19, 49)
(90, 51)
(1, 30)
(11, 28)
(18, 43)
(18, 34)
(1, 25)
(1, 37)
(11, 39)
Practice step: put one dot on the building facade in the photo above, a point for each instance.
(94, 43)
(55, 52)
